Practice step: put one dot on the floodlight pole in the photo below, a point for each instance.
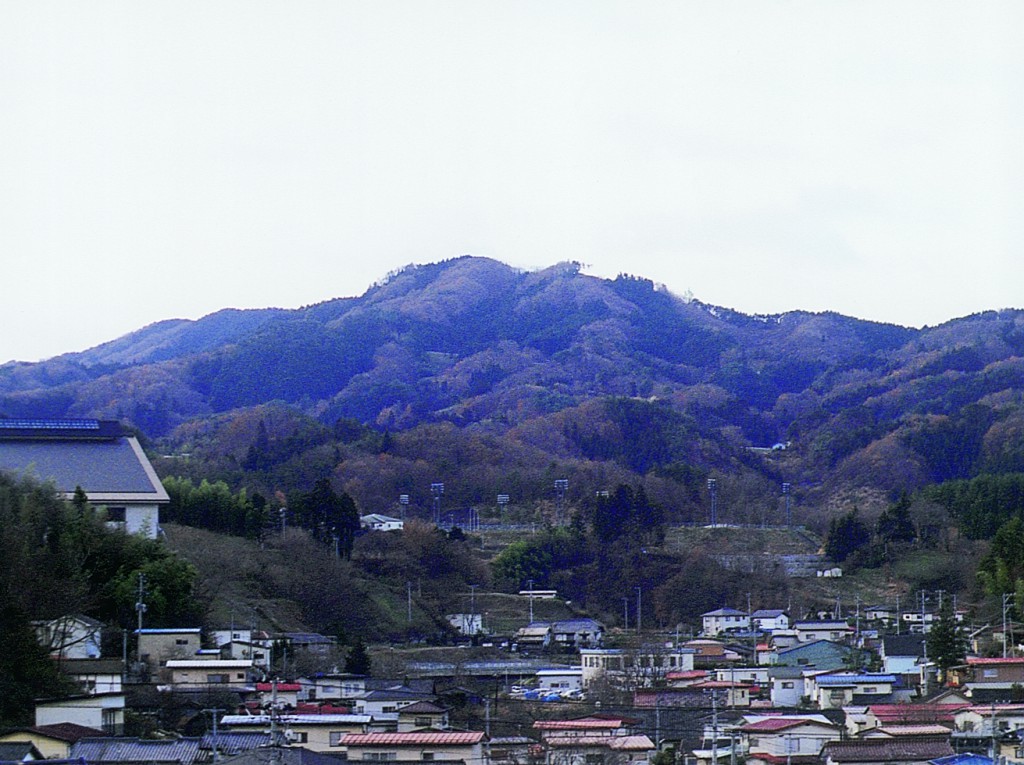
(713, 489)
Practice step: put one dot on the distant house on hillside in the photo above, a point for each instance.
(97, 456)
(378, 522)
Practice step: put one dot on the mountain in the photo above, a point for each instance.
(555, 366)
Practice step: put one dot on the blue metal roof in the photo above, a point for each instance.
(853, 679)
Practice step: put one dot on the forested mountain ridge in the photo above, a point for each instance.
(485, 375)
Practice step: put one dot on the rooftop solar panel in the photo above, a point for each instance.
(38, 424)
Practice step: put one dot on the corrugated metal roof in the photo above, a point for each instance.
(781, 723)
(583, 723)
(853, 679)
(463, 738)
(183, 750)
(616, 743)
(297, 720)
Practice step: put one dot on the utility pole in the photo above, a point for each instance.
(713, 490)
(472, 607)
(213, 713)
(408, 601)
(639, 611)
(140, 605)
(531, 600)
(625, 613)
(1007, 596)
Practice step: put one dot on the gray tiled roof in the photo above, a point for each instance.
(99, 467)
(182, 750)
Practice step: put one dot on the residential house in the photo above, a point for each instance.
(200, 674)
(70, 637)
(902, 654)
(258, 652)
(590, 725)
(95, 675)
(993, 679)
(53, 741)
(634, 667)
(577, 633)
(278, 695)
(821, 654)
(890, 751)
(96, 751)
(711, 653)
(418, 746)
(598, 750)
(321, 733)
(924, 713)
(511, 750)
(722, 621)
(157, 646)
(683, 678)
(835, 630)
(730, 694)
(753, 676)
(390, 700)
(985, 722)
(535, 635)
(341, 686)
(769, 620)
(180, 751)
(792, 739)
(787, 686)
(378, 522)
(102, 711)
(422, 715)
(881, 614)
(836, 690)
(19, 751)
(282, 755)
(310, 643)
(95, 455)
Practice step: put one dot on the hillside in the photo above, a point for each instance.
(495, 380)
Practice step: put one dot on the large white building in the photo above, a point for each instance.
(96, 455)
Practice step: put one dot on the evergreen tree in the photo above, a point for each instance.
(946, 646)
(846, 535)
(358, 660)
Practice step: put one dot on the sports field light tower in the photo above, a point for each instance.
(403, 502)
(561, 487)
(713, 490)
(789, 513)
(502, 504)
(437, 489)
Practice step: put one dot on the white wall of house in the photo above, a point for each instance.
(104, 712)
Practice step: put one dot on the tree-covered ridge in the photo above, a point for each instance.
(572, 368)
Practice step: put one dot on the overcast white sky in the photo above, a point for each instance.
(168, 159)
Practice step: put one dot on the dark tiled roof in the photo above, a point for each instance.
(235, 741)
(885, 750)
(903, 645)
(92, 750)
(99, 467)
(69, 732)
(288, 755)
